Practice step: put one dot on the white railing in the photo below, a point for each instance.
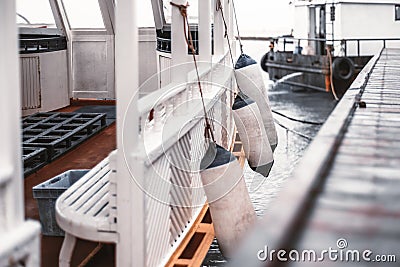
(174, 143)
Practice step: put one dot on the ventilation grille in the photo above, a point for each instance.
(30, 83)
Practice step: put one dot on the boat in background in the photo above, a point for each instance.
(331, 42)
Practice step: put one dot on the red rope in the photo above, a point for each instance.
(208, 133)
(220, 9)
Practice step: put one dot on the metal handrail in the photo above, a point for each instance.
(344, 42)
(165, 45)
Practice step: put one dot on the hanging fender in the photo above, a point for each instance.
(251, 83)
(230, 206)
(264, 60)
(252, 134)
(343, 68)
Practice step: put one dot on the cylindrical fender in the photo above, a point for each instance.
(230, 206)
(263, 62)
(252, 134)
(251, 83)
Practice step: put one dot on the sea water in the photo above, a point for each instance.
(294, 138)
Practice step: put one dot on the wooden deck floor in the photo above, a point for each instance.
(345, 194)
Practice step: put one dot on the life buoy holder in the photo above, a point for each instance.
(343, 68)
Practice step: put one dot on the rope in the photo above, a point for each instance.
(219, 8)
(298, 120)
(208, 133)
(293, 131)
(331, 73)
(237, 27)
(91, 255)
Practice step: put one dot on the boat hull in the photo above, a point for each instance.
(314, 70)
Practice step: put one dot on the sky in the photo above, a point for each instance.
(264, 17)
(255, 17)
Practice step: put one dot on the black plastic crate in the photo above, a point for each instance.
(33, 158)
(58, 132)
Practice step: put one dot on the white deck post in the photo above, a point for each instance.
(219, 30)
(231, 26)
(205, 30)
(10, 141)
(179, 55)
(227, 12)
(130, 198)
(179, 48)
(17, 237)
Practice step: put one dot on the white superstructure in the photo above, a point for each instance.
(349, 19)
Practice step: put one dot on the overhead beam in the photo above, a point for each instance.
(158, 14)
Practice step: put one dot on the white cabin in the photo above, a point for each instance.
(350, 20)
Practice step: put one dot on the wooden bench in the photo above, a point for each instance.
(88, 209)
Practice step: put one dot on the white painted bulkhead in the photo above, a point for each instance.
(85, 70)
(92, 70)
(366, 19)
(92, 63)
(301, 21)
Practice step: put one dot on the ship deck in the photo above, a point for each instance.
(84, 156)
(344, 194)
